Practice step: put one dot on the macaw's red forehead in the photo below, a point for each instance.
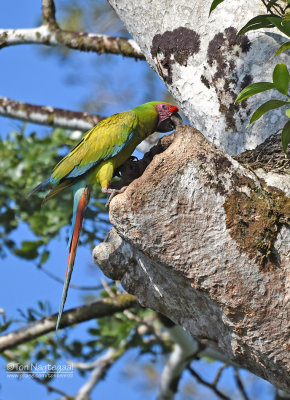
(173, 109)
(167, 107)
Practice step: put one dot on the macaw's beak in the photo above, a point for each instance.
(169, 124)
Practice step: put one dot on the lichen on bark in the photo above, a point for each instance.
(255, 219)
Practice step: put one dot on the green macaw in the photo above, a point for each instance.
(102, 149)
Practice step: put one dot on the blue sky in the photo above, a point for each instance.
(29, 76)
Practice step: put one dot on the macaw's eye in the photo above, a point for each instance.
(164, 107)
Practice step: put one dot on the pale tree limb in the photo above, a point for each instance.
(101, 367)
(97, 309)
(50, 34)
(46, 115)
(185, 349)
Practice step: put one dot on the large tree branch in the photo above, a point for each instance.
(205, 241)
(98, 309)
(50, 34)
(46, 35)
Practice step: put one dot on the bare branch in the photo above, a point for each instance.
(209, 385)
(100, 308)
(46, 115)
(73, 40)
(102, 365)
(219, 373)
(50, 34)
(72, 285)
(184, 349)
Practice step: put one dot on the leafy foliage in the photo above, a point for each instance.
(26, 160)
(261, 21)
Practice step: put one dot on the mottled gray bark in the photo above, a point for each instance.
(203, 240)
(204, 66)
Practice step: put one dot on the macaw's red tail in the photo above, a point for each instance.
(80, 202)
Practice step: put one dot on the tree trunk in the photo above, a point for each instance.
(205, 66)
(206, 242)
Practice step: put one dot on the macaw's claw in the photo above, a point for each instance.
(113, 193)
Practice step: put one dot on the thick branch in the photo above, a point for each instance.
(50, 34)
(100, 308)
(204, 241)
(73, 40)
(46, 115)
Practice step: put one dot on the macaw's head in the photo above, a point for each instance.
(168, 117)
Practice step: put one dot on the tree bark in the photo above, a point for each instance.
(205, 66)
(205, 241)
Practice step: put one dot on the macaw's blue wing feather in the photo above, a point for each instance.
(40, 187)
(81, 197)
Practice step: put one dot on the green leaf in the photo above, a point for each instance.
(29, 249)
(253, 89)
(285, 138)
(44, 256)
(283, 47)
(286, 16)
(287, 112)
(281, 78)
(261, 21)
(214, 4)
(269, 105)
(282, 25)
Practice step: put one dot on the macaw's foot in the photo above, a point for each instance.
(112, 193)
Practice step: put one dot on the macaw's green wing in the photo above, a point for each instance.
(102, 142)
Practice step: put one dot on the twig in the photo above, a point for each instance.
(219, 373)
(97, 309)
(107, 288)
(240, 384)
(50, 34)
(72, 285)
(209, 385)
